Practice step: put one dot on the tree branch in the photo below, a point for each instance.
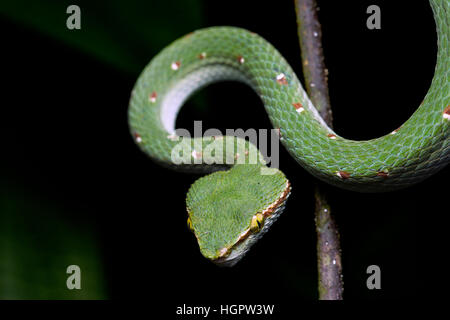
(329, 264)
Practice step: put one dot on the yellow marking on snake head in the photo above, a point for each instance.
(257, 222)
(189, 224)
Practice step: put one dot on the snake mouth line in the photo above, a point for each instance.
(268, 212)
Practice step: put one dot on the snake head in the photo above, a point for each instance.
(230, 210)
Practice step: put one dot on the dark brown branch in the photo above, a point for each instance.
(315, 73)
(331, 285)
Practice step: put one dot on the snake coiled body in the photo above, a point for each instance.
(407, 155)
(418, 149)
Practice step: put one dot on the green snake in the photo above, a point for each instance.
(229, 210)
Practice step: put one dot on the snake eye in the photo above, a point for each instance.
(189, 224)
(257, 222)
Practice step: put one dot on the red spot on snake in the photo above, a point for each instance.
(137, 137)
(152, 97)
(331, 136)
(281, 79)
(446, 113)
(279, 132)
(175, 65)
(298, 106)
(343, 174)
(383, 174)
(202, 55)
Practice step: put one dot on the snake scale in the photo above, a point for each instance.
(230, 210)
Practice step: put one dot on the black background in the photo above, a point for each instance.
(64, 116)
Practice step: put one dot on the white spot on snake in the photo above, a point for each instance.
(175, 65)
(138, 138)
(313, 85)
(315, 34)
(281, 78)
(241, 59)
(298, 107)
(343, 174)
(446, 113)
(334, 261)
(152, 97)
(332, 136)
